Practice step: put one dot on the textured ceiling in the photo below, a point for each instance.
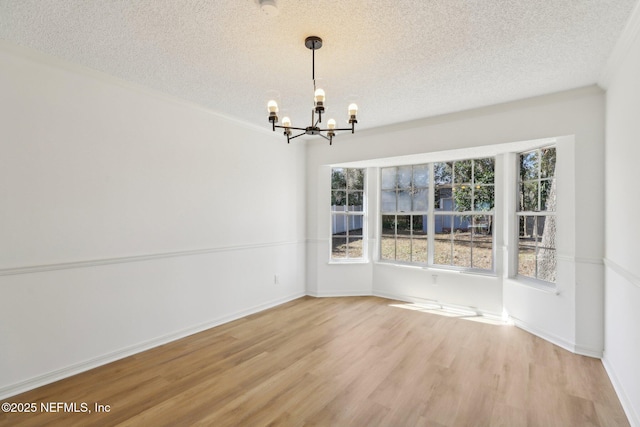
(399, 60)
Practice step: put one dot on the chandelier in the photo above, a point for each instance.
(314, 43)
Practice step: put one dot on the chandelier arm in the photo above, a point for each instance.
(290, 127)
(336, 129)
(294, 137)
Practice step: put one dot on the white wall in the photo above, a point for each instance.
(129, 218)
(566, 318)
(622, 291)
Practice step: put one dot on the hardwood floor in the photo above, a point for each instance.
(353, 361)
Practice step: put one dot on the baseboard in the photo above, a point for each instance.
(50, 377)
(560, 342)
(627, 406)
(347, 293)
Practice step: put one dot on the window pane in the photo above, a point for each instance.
(462, 248)
(462, 198)
(355, 179)
(461, 223)
(403, 225)
(526, 260)
(404, 177)
(482, 256)
(338, 247)
(388, 178)
(529, 166)
(483, 198)
(483, 171)
(462, 171)
(355, 200)
(404, 201)
(481, 236)
(355, 247)
(527, 246)
(419, 225)
(388, 241)
(547, 231)
(420, 199)
(338, 179)
(442, 239)
(442, 173)
(388, 248)
(403, 249)
(443, 224)
(482, 226)
(529, 196)
(388, 225)
(354, 223)
(548, 162)
(546, 264)
(338, 224)
(419, 239)
(403, 238)
(388, 201)
(338, 200)
(420, 176)
(443, 201)
(548, 195)
(527, 226)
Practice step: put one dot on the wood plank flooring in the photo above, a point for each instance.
(353, 361)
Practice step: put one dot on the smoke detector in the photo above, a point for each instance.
(268, 7)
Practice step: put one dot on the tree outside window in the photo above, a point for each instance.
(537, 257)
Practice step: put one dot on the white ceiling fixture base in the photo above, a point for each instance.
(269, 7)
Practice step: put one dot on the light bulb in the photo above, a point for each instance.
(272, 106)
(286, 122)
(319, 95)
(353, 109)
(331, 124)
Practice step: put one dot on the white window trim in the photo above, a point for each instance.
(514, 213)
(365, 221)
(431, 214)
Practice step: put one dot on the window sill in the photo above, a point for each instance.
(439, 268)
(539, 285)
(348, 262)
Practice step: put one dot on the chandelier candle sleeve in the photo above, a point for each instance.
(272, 107)
(353, 110)
(319, 96)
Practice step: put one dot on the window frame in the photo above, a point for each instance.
(536, 214)
(431, 213)
(347, 213)
(411, 189)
